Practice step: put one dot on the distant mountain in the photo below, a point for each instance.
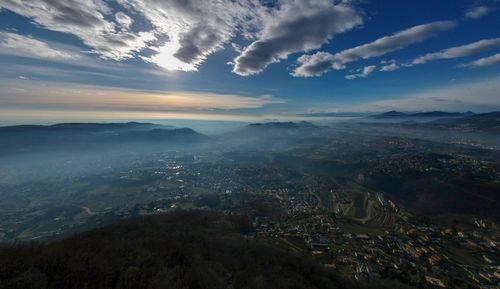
(99, 126)
(25, 138)
(489, 122)
(429, 114)
(192, 249)
(271, 134)
(273, 130)
(390, 114)
(81, 128)
(162, 135)
(282, 125)
(441, 114)
(334, 114)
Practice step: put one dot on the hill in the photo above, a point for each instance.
(270, 134)
(71, 136)
(195, 249)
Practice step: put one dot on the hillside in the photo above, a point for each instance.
(177, 250)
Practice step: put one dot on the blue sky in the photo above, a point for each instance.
(245, 60)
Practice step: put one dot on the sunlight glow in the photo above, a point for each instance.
(165, 58)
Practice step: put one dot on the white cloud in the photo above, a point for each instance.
(477, 12)
(451, 53)
(321, 62)
(485, 61)
(19, 45)
(86, 19)
(390, 67)
(124, 20)
(297, 25)
(459, 51)
(365, 72)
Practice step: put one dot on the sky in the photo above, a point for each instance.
(244, 60)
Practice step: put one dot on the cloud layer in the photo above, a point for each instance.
(19, 45)
(181, 34)
(452, 53)
(321, 62)
(31, 94)
(459, 51)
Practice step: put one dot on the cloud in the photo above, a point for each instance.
(195, 29)
(390, 67)
(182, 34)
(36, 94)
(296, 26)
(86, 19)
(486, 61)
(459, 51)
(367, 70)
(19, 45)
(124, 20)
(477, 12)
(74, 62)
(451, 53)
(321, 62)
(178, 34)
(478, 96)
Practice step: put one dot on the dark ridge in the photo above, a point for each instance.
(391, 113)
(489, 122)
(398, 114)
(441, 114)
(284, 125)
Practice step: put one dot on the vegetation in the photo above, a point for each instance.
(183, 249)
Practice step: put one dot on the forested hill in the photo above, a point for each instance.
(193, 250)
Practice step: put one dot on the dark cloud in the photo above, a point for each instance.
(196, 42)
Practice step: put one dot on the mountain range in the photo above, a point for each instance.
(489, 122)
(69, 136)
(399, 114)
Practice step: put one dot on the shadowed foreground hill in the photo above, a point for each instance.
(177, 250)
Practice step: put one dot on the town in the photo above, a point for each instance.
(349, 228)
